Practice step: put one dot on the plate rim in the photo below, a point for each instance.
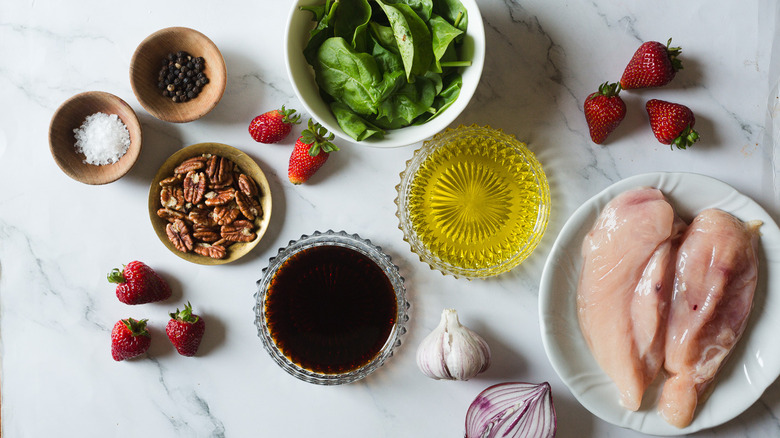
(573, 227)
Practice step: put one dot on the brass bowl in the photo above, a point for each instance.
(71, 115)
(247, 165)
(146, 63)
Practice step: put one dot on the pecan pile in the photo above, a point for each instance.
(209, 204)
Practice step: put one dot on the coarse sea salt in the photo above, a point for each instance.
(102, 138)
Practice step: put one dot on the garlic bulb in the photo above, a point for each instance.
(512, 410)
(452, 351)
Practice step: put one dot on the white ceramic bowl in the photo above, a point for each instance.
(301, 76)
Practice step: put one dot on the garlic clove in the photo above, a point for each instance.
(515, 409)
(452, 351)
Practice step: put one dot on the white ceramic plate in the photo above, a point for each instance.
(752, 367)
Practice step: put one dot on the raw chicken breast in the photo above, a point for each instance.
(625, 287)
(716, 275)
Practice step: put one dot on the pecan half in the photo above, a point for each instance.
(220, 171)
(172, 197)
(171, 181)
(194, 163)
(180, 236)
(200, 216)
(220, 197)
(225, 214)
(213, 251)
(238, 231)
(212, 167)
(248, 205)
(194, 186)
(247, 185)
(225, 181)
(170, 214)
(206, 233)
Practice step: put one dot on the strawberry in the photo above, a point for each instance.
(604, 110)
(137, 283)
(672, 123)
(129, 339)
(653, 65)
(311, 151)
(185, 330)
(273, 126)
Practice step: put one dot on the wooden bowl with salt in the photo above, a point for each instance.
(147, 61)
(72, 115)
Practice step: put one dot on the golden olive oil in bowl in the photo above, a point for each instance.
(473, 202)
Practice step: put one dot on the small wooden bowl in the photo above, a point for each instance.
(146, 64)
(246, 164)
(62, 141)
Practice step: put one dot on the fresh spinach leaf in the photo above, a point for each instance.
(408, 102)
(319, 11)
(387, 59)
(443, 34)
(448, 95)
(361, 41)
(423, 8)
(453, 11)
(437, 80)
(351, 19)
(348, 76)
(321, 32)
(354, 125)
(384, 36)
(391, 82)
(412, 36)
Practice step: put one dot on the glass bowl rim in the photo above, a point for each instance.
(410, 236)
(362, 246)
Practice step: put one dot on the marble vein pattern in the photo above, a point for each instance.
(59, 238)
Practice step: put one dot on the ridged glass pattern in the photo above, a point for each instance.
(473, 202)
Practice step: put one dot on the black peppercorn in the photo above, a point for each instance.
(181, 76)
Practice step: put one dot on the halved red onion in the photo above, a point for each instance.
(514, 409)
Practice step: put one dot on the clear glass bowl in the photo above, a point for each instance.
(473, 202)
(282, 325)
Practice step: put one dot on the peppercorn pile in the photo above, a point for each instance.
(182, 76)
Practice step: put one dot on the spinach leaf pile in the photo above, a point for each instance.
(386, 64)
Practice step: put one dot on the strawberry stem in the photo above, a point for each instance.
(116, 275)
(137, 328)
(687, 137)
(608, 90)
(319, 138)
(289, 116)
(673, 53)
(185, 315)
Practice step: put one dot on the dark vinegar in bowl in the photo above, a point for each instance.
(330, 309)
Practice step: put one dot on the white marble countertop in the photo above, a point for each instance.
(59, 238)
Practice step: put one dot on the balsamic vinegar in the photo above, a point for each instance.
(330, 309)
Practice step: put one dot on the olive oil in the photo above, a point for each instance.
(474, 202)
(330, 309)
